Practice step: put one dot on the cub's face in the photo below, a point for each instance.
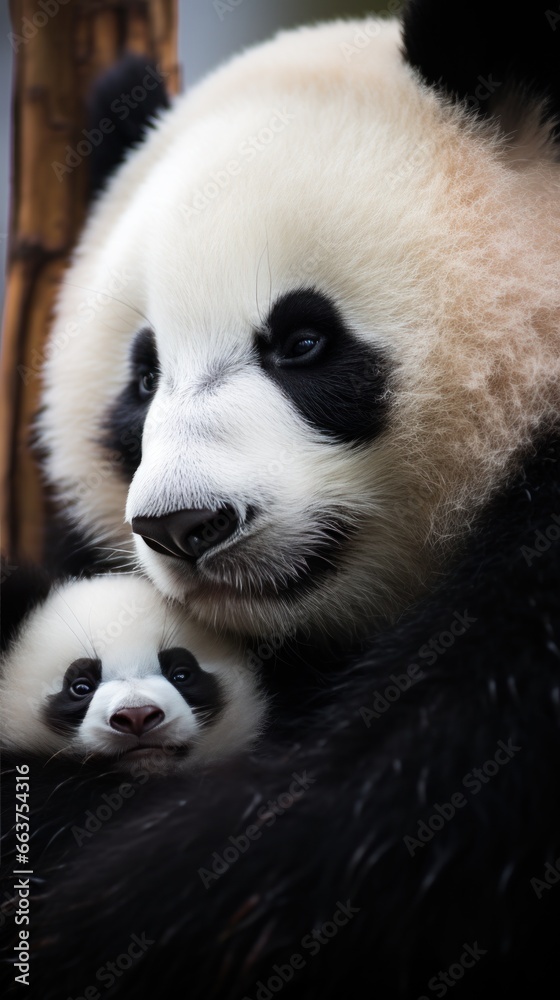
(106, 670)
(298, 373)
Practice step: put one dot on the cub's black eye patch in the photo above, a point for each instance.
(200, 689)
(338, 383)
(65, 710)
(124, 423)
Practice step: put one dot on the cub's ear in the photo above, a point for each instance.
(122, 105)
(22, 588)
(483, 50)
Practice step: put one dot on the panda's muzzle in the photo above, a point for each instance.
(189, 533)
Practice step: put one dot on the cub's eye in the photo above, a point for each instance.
(147, 385)
(179, 665)
(81, 687)
(302, 347)
(181, 675)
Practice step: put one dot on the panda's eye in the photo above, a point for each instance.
(181, 675)
(81, 687)
(147, 384)
(303, 347)
(179, 665)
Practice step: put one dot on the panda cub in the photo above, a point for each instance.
(106, 668)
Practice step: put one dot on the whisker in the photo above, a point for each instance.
(78, 622)
(55, 754)
(257, 283)
(98, 291)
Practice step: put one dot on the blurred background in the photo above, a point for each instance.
(209, 31)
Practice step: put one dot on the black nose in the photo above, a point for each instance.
(186, 533)
(137, 721)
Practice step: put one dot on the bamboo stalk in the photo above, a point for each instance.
(60, 47)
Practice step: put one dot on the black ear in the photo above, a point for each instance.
(22, 589)
(122, 104)
(479, 50)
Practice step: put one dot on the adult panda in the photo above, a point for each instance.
(330, 327)
(390, 245)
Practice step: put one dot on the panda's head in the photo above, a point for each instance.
(105, 669)
(307, 329)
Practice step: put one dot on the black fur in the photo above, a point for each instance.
(65, 711)
(333, 391)
(226, 877)
(67, 551)
(477, 51)
(320, 814)
(200, 689)
(116, 97)
(23, 588)
(124, 424)
(334, 386)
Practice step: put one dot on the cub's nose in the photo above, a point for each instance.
(187, 533)
(137, 721)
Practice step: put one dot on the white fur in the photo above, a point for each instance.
(436, 238)
(124, 622)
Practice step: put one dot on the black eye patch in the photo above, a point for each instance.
(338, 384)
(65, 710)
(200, 689)
(124, 423)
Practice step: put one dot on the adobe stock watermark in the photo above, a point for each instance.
(417, 156)
(473, 782)
(268, 647)
(104, 470)
(95, 818)
(277, 466)
(219, 180)
(485, 89)
(542, 540)
(283, 973)
(86, 310)
(220, 863)
(128, 614)
(321, 251)
(439, 984)
(550, 876)
(29, 27)
(430, 652)
(439, 644)
(225, 7)
(6, 570)
(109, 973)
(127, 446)
(8, 907)
(369, 30)
(121, 107)
(553, 17)
(112, 802)
(382, 701)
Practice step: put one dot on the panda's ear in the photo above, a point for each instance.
(122, 104)
(481, 50)
(22, 588)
